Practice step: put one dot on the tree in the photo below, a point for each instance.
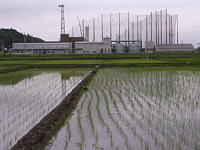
(9, 36)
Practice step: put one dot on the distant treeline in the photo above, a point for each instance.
(9, 36)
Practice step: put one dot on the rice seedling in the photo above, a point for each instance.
(28, 99)
(90, 117)
(140, 104)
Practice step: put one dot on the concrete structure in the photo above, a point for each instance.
(149, 47)
(174, 48)
(134, 47)
(66, 38)
(119, 48)
(41, 48)
(93, 47)
(127, 46)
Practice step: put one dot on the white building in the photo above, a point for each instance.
(149, 47)
(174, 48)
(93, 47)
(41, 48)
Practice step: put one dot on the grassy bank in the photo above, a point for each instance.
(21, 62)
(99, 56)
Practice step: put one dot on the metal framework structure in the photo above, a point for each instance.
(62, 29)
(159, 27)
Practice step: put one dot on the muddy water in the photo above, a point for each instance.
(127, 109)
(26, 97)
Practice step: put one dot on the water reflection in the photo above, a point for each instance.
(25, 101)
(131, 109)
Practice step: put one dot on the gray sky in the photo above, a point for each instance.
(42, 17)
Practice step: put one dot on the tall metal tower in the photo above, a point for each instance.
(62, 31)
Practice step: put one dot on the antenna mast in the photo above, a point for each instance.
(62, 31)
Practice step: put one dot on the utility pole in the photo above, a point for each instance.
(62, 29)
(83, 28)
(133, 30)
(166, 26)
(169, 29)
(102, 25)
(128, 29)
(177, 30)
(119, 26)
(146, 28)
(151, 27)
(156, 28)
(158, 20)
(137, 27)
(110, 25)
(140, 30)
(93, 30)
(161, 25)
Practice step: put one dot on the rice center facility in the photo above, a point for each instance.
(125, 33)
(42, 48)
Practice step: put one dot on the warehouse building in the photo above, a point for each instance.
(73, 46)
(174, 48)
(93, 47)
(41, 48)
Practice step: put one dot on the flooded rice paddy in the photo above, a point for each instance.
(26, 97)
(130, 109)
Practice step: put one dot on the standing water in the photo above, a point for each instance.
(127, 109)
(27, 97)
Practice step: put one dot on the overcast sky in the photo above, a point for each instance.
(42, 17)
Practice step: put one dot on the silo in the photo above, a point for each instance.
(134, 48)
(119, 48)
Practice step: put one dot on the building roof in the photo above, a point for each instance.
(41, 46)
(175, 46)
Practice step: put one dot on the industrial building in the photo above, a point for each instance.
(125, 33)
(67, 45)
(41, 48)
(127, 46)
(174, 48)
(150, 47)
(93, 47)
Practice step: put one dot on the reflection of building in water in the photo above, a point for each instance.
(157, 84)
(64, 87)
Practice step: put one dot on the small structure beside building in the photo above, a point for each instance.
(149, 47)
(174, 48)
(135, 47)
(119, 48)
(41, 48)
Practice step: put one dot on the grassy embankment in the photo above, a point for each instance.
(22, 62)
